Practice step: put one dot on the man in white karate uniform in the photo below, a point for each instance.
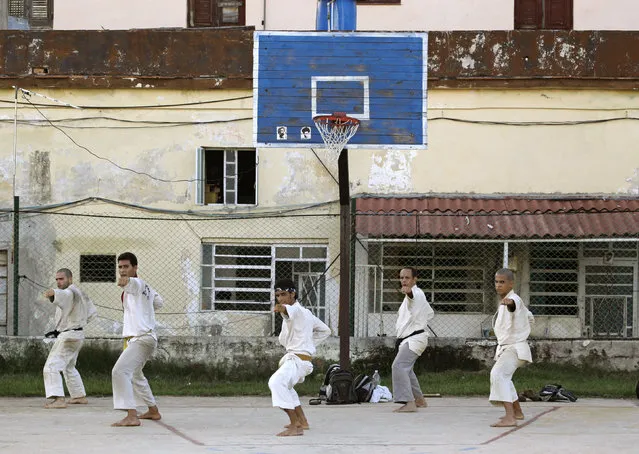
(412, 339)
(512, 328)
(130, 386)
(301, 332)
(73, 309)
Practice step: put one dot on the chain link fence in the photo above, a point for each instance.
(575, 289)
(216, 273)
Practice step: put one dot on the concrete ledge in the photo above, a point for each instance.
(229, 353)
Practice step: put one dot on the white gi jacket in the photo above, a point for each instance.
(513, 328)
(412, 316)
(301, 330)
(70, 313)
(139, 301)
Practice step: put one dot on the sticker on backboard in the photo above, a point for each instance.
(305, 133)
(282, 133)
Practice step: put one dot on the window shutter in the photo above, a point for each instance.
(202, 13)
(528, 14)
(199, 176)
(41, 14)
(558, 14)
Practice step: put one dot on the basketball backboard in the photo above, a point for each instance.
(378, 78)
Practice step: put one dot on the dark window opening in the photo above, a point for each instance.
(229, 177)
(216, 13)
(97, 268)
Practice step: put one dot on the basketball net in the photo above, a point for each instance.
(336, 130)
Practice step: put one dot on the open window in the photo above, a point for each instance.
(216, 13)
(226, 177)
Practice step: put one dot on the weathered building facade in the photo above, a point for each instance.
(531, 162)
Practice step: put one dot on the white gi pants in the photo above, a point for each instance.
(62, 358)
(130, 386)
(405, 384)
(292, 371)
(502, 388)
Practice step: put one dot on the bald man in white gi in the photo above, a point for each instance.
(130, 386)
(412, 339)
(301, 332)
(73, 309)
(512, 328)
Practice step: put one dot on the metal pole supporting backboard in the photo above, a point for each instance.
(344, 260)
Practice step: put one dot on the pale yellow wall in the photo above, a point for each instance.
(461, 158)
(473, 158)
(608, 15)
(118, 14)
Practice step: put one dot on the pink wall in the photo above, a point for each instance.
(118, 14)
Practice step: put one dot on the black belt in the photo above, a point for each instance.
(402, 339)
(55, 333)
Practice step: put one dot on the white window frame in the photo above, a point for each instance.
(230, 182)
(211, 267)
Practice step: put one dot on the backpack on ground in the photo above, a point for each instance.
(340, 388)
(556, 393)
(364, 387)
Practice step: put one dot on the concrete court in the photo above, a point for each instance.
(248, 425)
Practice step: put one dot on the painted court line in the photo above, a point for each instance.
(179, 433)
(515, 429)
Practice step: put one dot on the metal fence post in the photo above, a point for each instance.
(16, 261)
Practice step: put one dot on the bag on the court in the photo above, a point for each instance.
(364, 387)
(341, 389)
(556, 393)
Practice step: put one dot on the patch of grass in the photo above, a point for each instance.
(201, 381)
(583, 382)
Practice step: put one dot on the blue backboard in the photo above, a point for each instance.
(378, 78)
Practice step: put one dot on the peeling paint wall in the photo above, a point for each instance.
(464, 156)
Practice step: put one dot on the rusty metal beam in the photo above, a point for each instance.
(212, 58)
(180, 58)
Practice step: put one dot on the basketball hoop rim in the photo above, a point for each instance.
(336, 118)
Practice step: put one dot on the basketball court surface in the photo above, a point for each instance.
(248, 424)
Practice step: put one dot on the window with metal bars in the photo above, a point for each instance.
(227, 177)
(241, 277)
(554, 278)
(216, 13)
(39, 13)
(98, 268)
(456, 278)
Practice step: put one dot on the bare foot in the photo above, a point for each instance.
(78, 400)
(421, 402)
(129, 421)
(519, 416)
(154, 415)
(408, 407)
(291, 432)
(56, 403)
(505, 422)
(304, 426)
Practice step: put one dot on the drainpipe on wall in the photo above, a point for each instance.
(505, 264)
(4, 14)
(263, 15)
